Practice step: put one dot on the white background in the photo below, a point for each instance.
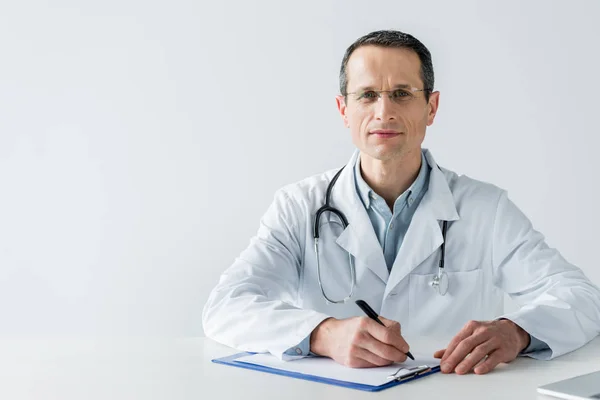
(141, 141)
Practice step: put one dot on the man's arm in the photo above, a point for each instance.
(252, 307)
(559, 305)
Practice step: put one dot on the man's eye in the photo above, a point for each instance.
(401, 94)
(369, 95)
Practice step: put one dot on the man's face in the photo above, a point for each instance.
(385, 128)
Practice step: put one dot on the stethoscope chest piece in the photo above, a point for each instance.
(440, 282)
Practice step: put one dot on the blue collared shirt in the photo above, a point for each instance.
(391, 226)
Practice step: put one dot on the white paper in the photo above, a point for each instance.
(327, 368)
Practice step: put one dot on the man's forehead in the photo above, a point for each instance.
(374, 65)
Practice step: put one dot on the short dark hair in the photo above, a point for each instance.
(393, 39)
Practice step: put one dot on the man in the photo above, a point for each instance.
(403, 213)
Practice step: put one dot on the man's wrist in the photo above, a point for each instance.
(524, 337)
(319, 335)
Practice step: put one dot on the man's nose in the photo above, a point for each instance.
(384, 108)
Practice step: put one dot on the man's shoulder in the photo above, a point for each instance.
(466, 187)
(312, 186)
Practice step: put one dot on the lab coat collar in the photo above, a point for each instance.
(439, 197)
(422, 238)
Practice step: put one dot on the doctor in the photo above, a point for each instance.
(404, 214)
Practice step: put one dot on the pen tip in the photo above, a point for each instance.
(410, 356)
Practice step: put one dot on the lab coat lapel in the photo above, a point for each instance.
(359, 238)
(424, 235)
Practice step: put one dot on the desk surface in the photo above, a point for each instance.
(181, 369)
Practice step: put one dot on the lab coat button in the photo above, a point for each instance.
(298, 351)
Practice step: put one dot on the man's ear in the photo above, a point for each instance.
(341, 105)
(432, 107)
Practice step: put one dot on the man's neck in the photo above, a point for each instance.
(390, 178)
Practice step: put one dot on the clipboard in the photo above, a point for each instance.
(404, 374)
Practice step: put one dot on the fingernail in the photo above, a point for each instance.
(460, 370)
(445, 367)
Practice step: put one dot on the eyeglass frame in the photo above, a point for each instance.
(407, 88)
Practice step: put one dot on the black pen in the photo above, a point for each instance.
(373, 315)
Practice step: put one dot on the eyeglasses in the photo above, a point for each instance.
(398, 96)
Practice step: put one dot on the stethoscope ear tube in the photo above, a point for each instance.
(443, 256)
(327, 207)
(440, 281)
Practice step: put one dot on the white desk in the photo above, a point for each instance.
(181, 369)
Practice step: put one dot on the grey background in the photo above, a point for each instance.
(141, 141)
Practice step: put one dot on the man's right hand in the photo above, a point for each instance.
(359, 342)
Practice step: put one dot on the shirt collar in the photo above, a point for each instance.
(365, 191)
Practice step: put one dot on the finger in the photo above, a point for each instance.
(478, 354)
(492, 361)
(382, 350)
(464, 333)
(439, 353)
(371, 359)
(388, 335)
(391, 324)
(461, 351)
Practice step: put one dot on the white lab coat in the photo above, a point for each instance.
(269, 300)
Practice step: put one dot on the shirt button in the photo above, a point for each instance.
(410, 200)
(391, 226)
(298, 351)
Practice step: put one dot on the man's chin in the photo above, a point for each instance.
(384, 152)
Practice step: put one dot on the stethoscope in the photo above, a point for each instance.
(439, 281)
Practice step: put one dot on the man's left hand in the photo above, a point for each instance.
(482, 346)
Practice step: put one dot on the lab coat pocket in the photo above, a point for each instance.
(433, 314)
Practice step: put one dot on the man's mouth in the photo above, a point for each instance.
(385, 133)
